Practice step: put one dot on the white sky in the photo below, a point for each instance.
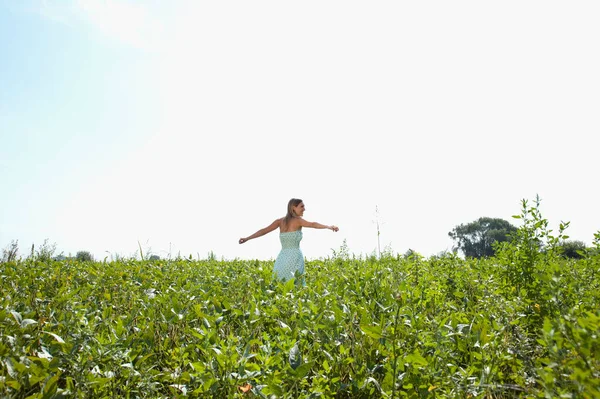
(193, 123)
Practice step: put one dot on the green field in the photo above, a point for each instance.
(362, 328)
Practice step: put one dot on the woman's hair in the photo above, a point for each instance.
(290, 210)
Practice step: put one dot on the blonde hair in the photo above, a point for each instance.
(290, 210)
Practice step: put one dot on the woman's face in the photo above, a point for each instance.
(299, 209)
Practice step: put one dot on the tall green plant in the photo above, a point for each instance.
(530, 246)
(45, 252)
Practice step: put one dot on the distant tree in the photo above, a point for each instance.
(154, 257)
(84, 256)
(572, 248)
(476, 238)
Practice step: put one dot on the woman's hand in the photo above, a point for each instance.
(333, 228)
(243, 240)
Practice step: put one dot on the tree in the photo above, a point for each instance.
(476, 239)
(573, 249)
(84, 256)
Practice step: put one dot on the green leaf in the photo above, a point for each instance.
(294, 357)
(14, 385)
(373, 381)
(17, 316)
(304, 369)
(50, 387)
(416, 359)
(283, 325)
(274, 389)
(56, 337)
(372, 331)
(289, 285)
(27, 322)
(35, 379)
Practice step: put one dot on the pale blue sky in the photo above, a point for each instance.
(186, 125)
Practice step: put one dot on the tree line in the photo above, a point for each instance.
(480, 238)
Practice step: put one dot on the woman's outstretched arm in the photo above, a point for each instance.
(315, 225)
(262, 232)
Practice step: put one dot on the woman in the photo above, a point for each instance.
(290, 260)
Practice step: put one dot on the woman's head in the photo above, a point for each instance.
(295, 208)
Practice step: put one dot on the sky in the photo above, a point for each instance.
(181, 126)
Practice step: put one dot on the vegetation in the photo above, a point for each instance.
(11, 252)
(84, 256)
(477, 239)
(521, 324)
(45, 252)
(573, 249)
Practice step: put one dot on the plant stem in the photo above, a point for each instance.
(394, 368)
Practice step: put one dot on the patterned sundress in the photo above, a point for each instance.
(290, 260)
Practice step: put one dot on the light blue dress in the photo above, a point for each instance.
(290, 260)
